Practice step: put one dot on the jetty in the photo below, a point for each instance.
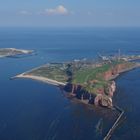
(116, 123)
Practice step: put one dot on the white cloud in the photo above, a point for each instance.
(24, 12)
(59, 10)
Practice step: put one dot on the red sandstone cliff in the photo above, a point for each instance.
(114, 71)
(105, 95)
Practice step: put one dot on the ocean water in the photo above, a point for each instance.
(31, 110)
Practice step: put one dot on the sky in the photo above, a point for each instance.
(70, 13)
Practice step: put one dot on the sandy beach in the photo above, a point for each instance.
(42, 79)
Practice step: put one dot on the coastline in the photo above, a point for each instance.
(118, 110)
(10, 52)
(99, 98)
(102, 96)
(40, 78)
(123, 71)
(57, 83)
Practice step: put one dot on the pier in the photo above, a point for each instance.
(116, 123)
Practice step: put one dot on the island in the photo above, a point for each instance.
(10, 52)
(90, 81)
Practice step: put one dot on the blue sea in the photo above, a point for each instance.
(31, 110)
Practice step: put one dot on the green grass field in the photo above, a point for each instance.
(91, 78)
(85, 75)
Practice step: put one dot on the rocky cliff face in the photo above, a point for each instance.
(103, 100)
(103, 96)
(110, 89)
(106, 98)
(114, 71)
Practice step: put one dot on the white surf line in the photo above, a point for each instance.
(40, 78)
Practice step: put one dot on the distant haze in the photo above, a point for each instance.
(59, 13)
